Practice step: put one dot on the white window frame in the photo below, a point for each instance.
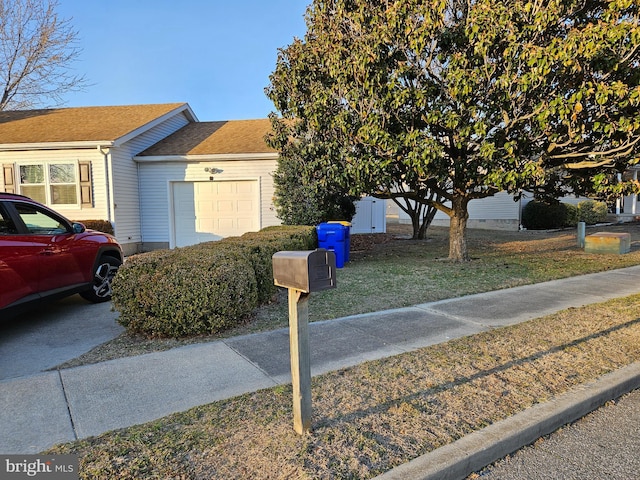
(47, 181)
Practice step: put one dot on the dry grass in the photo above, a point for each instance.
(370, 418)
(377, 415)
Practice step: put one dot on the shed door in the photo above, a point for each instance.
(205, 211)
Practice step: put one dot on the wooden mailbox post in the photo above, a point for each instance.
(302, 272)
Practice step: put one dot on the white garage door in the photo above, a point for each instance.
(205, 211)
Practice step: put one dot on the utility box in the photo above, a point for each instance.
(608, 242)
(305, 270)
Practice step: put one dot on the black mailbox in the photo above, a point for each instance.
(305, 270)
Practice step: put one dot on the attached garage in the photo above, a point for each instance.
(207, 181)
(206, 211)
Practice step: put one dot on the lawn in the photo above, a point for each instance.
(391, 270)
(374, 416)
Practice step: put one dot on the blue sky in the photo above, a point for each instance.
(216, 55)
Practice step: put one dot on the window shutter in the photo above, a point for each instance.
(86, 199)
(9, 178)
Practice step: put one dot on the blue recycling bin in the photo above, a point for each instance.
(347, 238)
(333, 236)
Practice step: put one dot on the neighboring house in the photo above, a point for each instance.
(499, 212)
(502, 212)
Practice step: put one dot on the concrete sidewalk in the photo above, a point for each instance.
(43, 409)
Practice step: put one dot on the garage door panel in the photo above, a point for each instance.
(245, 188)
(246, 224)
(245, 206)
(225, 188)
(207, 211)
(224, 207)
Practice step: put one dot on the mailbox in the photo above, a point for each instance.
(305, 270)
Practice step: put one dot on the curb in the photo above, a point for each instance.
(475, 451)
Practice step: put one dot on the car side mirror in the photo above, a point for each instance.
(78, 228)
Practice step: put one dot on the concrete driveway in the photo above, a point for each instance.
(54, 333)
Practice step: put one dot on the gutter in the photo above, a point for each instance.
(220, 157)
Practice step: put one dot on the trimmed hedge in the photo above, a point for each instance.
(205, 288)
(103, 226)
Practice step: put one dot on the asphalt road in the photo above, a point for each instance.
(603, 445)
(53, 334)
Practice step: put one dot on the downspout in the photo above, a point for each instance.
(107, 176)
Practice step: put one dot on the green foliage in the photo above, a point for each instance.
(592, 212)
(260, 247)
(193, 291)
(572, 215)
(98, 225)
(537, 215)
(463, 99)
(204, 288)
(303, 200)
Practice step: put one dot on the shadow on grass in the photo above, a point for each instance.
(456, 382)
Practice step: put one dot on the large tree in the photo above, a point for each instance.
(37, 49)
(464, 98)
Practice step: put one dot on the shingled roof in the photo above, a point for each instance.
(215, 138)
(81, 124)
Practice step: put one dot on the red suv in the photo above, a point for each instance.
(45, 256)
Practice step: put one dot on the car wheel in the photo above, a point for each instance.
(101, 289)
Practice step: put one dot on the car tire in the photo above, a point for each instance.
(105, 271)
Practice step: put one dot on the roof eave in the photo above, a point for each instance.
(8, 147)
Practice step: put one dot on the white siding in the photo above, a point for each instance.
(370, 216)
(155, 194)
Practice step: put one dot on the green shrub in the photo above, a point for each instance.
(189, 291)
(592, 212)
(204, 288)
(98, 225)
(260, 247)
(537, 215)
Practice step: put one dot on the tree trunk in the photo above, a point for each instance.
(458, 231)
(421, 218)
(415, 223)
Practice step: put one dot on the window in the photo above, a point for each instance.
(50, 183)
(6, 223)
(38, 222)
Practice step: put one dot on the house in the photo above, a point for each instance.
(148, 169)
(162, 178)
